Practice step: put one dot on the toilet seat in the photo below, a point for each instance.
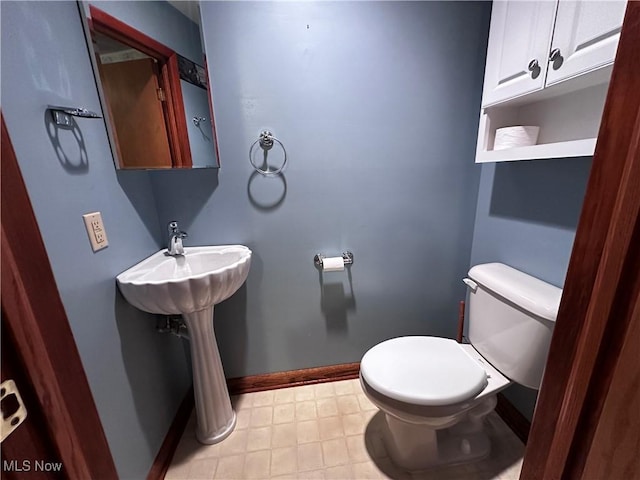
(423, 371)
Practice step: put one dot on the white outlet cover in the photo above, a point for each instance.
(95, 230)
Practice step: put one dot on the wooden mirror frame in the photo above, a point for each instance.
(176, 121)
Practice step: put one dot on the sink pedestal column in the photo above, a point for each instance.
(216, 418)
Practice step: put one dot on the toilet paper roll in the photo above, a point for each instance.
(332, 264)
(518, 136)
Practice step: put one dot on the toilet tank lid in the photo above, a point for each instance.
(529, 293)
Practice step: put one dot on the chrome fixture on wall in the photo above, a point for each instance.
(347, 258)
(62, 115)
(266, 141)
(198, 120)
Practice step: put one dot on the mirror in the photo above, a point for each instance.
(150, 69)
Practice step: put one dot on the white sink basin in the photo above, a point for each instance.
(202, 277)
(190, 285)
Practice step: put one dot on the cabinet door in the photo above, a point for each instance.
(518, 49)
(586, 37)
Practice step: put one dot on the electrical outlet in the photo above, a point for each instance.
(95, 230)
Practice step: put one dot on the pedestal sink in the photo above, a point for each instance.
(190, 285)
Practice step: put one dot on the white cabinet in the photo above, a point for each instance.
(519, 40)
(548, 64)
(585, 37)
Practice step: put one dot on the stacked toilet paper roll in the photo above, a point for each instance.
(518, 136)
(332, 264)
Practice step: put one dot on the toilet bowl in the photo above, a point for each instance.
(435, 393)
(434, 385)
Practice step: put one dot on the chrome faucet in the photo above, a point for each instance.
(175, 240)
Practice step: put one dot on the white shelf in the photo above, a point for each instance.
(569, 125)
(573, 148)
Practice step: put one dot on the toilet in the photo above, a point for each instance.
(435, 393)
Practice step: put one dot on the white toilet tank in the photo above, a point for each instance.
(511, 319)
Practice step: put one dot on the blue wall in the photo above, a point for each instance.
(377, 105)
(137, 377)
(526, 217)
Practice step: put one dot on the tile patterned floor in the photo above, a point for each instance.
(324, 431)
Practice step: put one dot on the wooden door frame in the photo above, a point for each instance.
(601, 286)
(36, 321)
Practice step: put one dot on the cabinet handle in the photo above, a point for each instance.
(534, 68)
(556, 59)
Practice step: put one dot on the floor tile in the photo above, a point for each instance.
(259, 438)
(366, 471)
(204, 469)
(284, 395)
(235, 443)
(230, 467)
(257, 464)
(348, 404)
(309, 457)
(284, 460)
(262, 399)
(357, 449)
(284, 413)
(306, 392)
(324, 390)
(306, 410)
(242, 418)
(365, 403)
(354, 424)
(261, 416)
(334, 452)
(340, 472)
(323, 431)
(327, 407)
(344, 387)
(178, 471)
(330, 427)
(284, 435)
(307, 431)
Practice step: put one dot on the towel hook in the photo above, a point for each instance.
(198, 120)
(62, 115)
(266, 140)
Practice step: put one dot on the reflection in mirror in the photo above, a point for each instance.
(154, 90)
(131, 83)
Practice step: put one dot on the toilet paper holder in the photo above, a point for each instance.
(346, 256)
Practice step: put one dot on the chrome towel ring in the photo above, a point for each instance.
(266, 140)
